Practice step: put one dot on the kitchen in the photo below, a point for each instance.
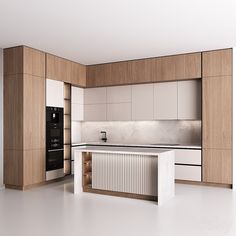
(165, 110)
(126, 140)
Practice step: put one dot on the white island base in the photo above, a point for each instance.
(143, 173)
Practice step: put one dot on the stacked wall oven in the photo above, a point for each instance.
(54, 143)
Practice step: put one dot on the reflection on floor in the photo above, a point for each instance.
(54, 210)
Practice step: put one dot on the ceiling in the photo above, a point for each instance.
(98, 31)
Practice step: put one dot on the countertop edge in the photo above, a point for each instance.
(138, 146)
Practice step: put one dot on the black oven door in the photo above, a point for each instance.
(55, 159)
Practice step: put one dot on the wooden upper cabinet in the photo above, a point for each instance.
(13, 61)
(217, 112)
(78, 74)
(180, 67)
(98, 75)
(34, 62)
(217, 63)
(24, 60)
(64, 70)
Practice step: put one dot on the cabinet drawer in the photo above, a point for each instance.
(184, 156)
(192, 173)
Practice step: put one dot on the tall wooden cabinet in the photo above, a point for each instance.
(217, 116)
(24, 117)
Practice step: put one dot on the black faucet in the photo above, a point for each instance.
(104, 136)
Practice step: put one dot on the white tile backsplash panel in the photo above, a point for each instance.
(1, 118)
(144, 132)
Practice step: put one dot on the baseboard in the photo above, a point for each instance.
(203, 183)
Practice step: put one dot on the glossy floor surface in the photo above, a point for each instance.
(54, 210)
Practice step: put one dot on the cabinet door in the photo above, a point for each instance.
(119, 111)
(192, 173)
(54, 93)
(142, 102)
(217, 166)
(189, 100)
(95, 96)
(165, 101)
(217, 63)
(217, 112)
(95, 112)
(77, 111)
(77, 95)
(187, 156)
(119, 94)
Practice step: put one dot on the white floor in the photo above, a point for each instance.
(54, 210)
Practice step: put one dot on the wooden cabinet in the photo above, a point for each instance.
(217, 116)
(217, 63)
(180, 67)
(217, 165)
(217, 112)
(24, 117)
(165, 101)
(58, 68)
(142, 102)
(189, 100)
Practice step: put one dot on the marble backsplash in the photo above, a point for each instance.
(143, 132)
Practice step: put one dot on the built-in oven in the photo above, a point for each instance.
(54, 143)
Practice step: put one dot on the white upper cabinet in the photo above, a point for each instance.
(142, 102)
(119, 111)
(165, 101)
(119, 94)
(77, 95)
(95, 112)
(95, 104)
(189, 100)
(119, 103)
(77, 104)
(54, 93)
(95, 96)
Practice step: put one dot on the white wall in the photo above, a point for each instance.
(144, 132)
(1, 118)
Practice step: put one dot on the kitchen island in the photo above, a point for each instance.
(143, 173)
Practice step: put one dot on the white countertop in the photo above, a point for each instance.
(167, 146)
(123, 150)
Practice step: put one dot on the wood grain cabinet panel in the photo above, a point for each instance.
(217, 166)
(217, 112)
(34, 62)
(34, 112)
(217, 63)
(13, 167)
(179, 67)
(60, 69)
(24, 120)
(78, 74)
(34, 166)
(13, 111)
(98, 75)
(13, 61)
